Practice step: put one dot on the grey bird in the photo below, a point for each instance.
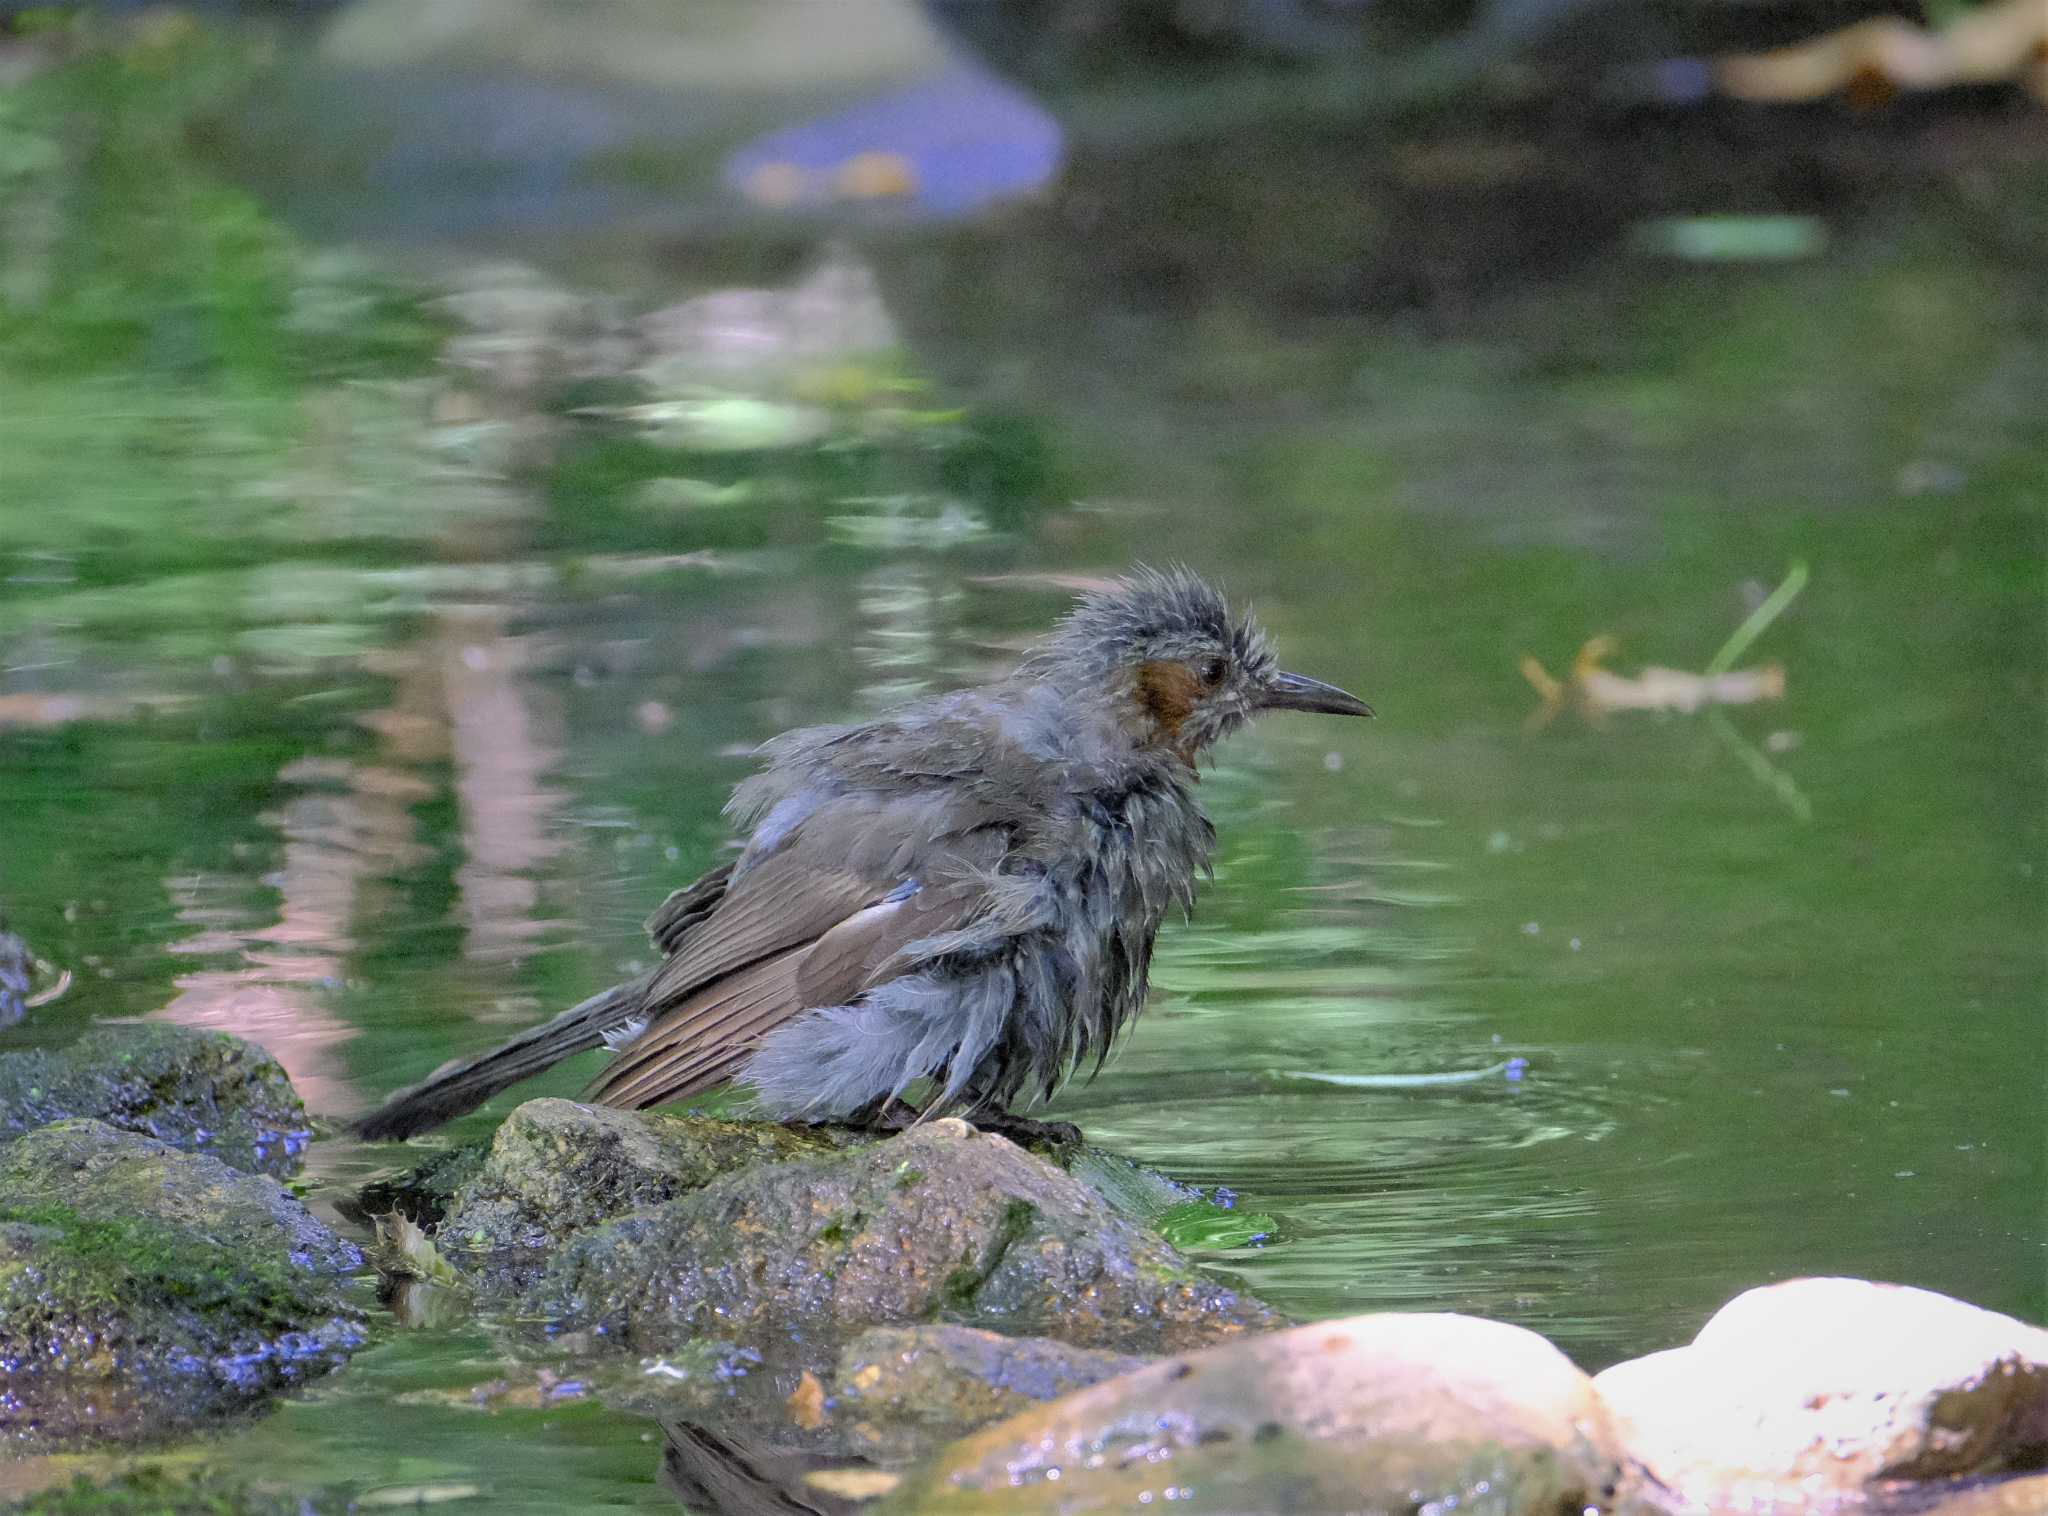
(963, 892)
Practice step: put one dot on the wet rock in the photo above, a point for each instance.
(100, 1173)
(705, 1379)
(556, 1167)
(1130, 1188)
(938, 1223)
(572, 127)
(1384, 1412)
(1818, 1389)
(15, 966)
(200, 1091)
(144, 1289)
(2022, 1495)
(157, 1491)
(903, 1388)
(423, 1194)
(861, 45)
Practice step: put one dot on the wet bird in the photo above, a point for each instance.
(963, 892)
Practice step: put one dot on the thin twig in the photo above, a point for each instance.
(1765, 772)
(44, 997)
(1759, 620)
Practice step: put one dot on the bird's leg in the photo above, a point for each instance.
(1027, 1132)
(894, 1114)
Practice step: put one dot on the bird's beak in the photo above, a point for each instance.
(1298, 692)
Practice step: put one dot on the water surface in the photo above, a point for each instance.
(401, 711)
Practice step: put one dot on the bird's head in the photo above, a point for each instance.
(1163, 647)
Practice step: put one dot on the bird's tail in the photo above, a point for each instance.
(466, 1083)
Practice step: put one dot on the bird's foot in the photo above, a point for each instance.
(880, 1119)
(894, 1115)
(1027, 1132)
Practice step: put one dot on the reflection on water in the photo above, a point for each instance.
(499, 760)
(340, 826)
(900, 609)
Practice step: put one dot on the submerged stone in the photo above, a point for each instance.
(939, 1223)
(423, 1194)
(904, 1388)
(200, 1091)
(691, 1381)
(144, 1289)
(156, 1491)
(1375, 1413)
(15, 964)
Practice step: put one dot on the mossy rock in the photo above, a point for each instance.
(144, 1289)
(155, 1491)
(99, 1173)
(899, 1390)
(200, 1091)
(939, 1223)
(15, 966)
(557, 1167)
(423, 1194)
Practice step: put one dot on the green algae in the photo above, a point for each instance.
(810, 1250)
(155, 1490)
(81, 1267)
(144, 1289)
(201, 1091)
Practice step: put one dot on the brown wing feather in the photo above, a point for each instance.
(861, 951)
(704, 1038)
(686, 907)
(721, 1020)
(783, 901)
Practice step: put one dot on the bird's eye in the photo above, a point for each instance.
(1211, 670)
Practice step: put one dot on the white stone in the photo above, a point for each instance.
(1799, 1394)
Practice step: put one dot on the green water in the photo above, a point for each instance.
(395, 746)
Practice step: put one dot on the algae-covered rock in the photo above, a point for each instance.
(941, 1222)
(15, 965)
(556, 1167)
(101, 1174)
(705, 1379)
(156, 1491)
(144, 1289)
(201, 1091)
(422, 1194)
(1375, 1413)
(901, 1388)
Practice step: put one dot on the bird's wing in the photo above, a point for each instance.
(796, 930)
(686, 907)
